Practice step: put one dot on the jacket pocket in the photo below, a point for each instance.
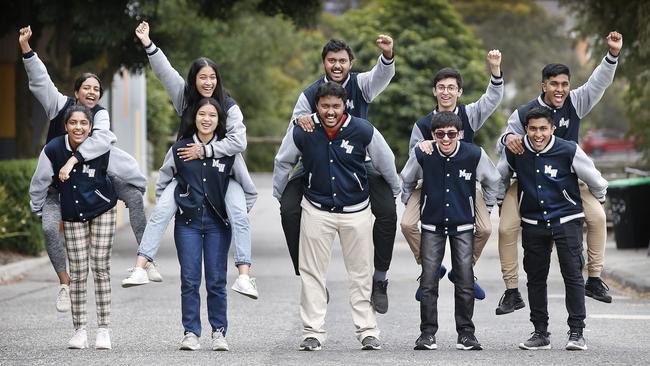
(471, 205)
(358, 180)
(568, 198)
(186, 194)
(97, 192)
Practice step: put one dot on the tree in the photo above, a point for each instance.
(428, 35)
(595, 19)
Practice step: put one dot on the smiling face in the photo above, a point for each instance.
(78, 127)
(447, 92)
(539, 132)
(207, 120)
(556, 90)
(446, 138)
(89, 92)
(206, 81)
(337, 65)
(330, 111)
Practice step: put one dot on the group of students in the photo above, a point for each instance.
(333, 172)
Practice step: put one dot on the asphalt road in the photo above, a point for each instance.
(146, 321)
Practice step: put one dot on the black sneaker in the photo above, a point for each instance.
(597, 289)
(576, 341)
(370, 343)
(510, 301)
(468, 342)
(310, 344)
(539, 340)
(379, 297)
(425, 342)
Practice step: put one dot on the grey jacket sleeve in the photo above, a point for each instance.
(166, 173)
(505, 171)
(588, 95)
(489, 177)
(240, 174)
(586, 171)
(410, 175)
(301, 108)
(124, 166)
(285, 160)
(373, 82)
(171, 80)
(416, 137)
(41, 181)
(383, 160)
(513, 126)
(479, 111)
(42, 86)
(235, 141)
(100, 141)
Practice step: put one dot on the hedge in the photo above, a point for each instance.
(20, 230)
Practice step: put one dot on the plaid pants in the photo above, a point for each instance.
(92, 242)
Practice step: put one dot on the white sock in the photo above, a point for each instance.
(244, 276)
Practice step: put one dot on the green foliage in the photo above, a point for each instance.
(630, 18)
(428, 35)
(20, 230)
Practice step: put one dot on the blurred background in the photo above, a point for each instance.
(270, 50)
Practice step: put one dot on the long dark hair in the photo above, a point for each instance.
(190, 128)
(192, 95)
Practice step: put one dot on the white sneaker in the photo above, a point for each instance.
(63, 298)
(190, 342)
(79, 340)
(152, 272)
(137, 277)
(103, 340)
(246, 286)
(219, 342)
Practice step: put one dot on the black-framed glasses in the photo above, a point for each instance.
(441, 134)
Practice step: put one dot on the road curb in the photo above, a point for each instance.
(629, 280)
(16, 270)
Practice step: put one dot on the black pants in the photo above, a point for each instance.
(382, 204)
(538, 244)
(433, 250)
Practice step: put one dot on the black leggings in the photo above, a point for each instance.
(382, 204)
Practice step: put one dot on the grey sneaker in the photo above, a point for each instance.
(310, 344)
(538, 340)
(63, 298)
(425, 342)
(468, 342)
(219, 342)
(370, 343)
(190, 342)
(576, 341)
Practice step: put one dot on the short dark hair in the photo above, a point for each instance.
(446, 119)
(85, 76)
(336, 45)
(551, 70)
(332, 89)
(448, 72)
(190, 128)
(539, 112)
(78, 108)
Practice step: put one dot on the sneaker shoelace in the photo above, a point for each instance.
(574, 336)
(601, 286)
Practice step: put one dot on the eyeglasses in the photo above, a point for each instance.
(450, 88)
(441, 134)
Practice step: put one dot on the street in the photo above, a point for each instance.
(146, 320)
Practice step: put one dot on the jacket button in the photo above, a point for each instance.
(75, 187)
(74, 170)
(204, 179)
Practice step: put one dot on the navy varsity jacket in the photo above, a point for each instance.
(548, 181)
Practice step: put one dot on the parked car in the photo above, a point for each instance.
(604, 140)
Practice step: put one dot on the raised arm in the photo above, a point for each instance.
(589, 94)
(479, 111)
(172, 81)
(383, 160)
(373, 82)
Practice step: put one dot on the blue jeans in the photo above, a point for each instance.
(203, 240)
(166, 208)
